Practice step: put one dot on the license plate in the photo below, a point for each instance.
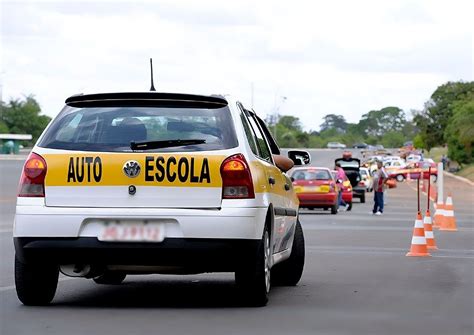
(132, 232)
(312, 189)
(324, 189)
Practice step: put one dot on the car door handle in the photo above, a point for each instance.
(287, 187)
(271, 181)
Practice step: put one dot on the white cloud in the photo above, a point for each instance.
(344, 57)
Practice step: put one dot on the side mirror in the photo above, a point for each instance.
(299, 157)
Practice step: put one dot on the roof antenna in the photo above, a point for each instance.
(152, 88)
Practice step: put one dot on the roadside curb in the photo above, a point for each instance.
(449, 174)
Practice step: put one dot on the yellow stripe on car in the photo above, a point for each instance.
(155, 169)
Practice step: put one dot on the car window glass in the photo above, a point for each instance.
(312, 175)
(114, 128)
(263, 149)
(249, 133)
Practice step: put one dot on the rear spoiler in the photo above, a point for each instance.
(146, 99)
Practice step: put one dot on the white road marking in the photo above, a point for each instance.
(445, 253)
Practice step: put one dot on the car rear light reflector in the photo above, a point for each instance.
(236, 178)
(32, 177)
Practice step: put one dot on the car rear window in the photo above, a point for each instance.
(114, 128)
(311, 175)
(349, 164)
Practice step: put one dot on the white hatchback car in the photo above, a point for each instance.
(336, 145)
(135, 183)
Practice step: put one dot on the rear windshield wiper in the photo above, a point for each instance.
(149, 145)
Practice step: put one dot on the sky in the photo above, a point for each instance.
(301, 58)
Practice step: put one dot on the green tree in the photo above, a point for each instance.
(3, 128)
(333, 121)
(460, 132)
(290, 122)
(379, 122)
(23, 117)
(438, 111)
(393, 139)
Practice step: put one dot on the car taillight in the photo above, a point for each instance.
(32, 177)
(236, 178)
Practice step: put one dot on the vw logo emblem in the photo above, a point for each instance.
(131, 169)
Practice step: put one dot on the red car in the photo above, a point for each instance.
(315, 188)
(415, 170)
(346, 190)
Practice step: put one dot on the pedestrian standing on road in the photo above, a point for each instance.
(340, 177)
(380, 178)
(444, 160)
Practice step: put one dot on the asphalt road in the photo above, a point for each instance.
(357, 280)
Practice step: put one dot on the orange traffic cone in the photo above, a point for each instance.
(418, 242)
(449, 222)
(428, 226)
(438, 219)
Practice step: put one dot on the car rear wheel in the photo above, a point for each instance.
(254, 279)
(288, 272)
(334, 209)
(35, 284)
(110, 278)
(400, 178)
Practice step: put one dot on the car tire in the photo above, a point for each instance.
(334, 209)
(325, 208)
(400, 178)
(110, 278)
(289, 272)
(35, 284)
(350, 206)
(362, 198)
(254, 279)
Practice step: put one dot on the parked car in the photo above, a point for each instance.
(336, 145)
(413, 158)
(415, 170)
(367, 179)
(360, 146)
(351, 167)
(315, 188)
(347, 195)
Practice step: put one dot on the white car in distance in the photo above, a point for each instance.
(336, 145)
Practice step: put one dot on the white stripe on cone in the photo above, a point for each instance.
(419, 224)
(418, 240)
(429, 234)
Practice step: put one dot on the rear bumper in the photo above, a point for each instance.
(198, 255)
(223, 223)
(317, 199)
(358, 192)
(347, 196)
